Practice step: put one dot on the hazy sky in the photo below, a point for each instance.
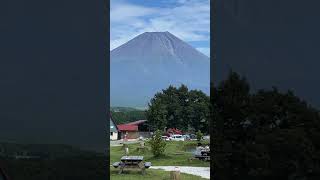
(187, 19)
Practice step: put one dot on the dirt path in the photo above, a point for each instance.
(119, 142)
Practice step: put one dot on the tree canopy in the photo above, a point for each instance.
(188, 110)
(265, 134)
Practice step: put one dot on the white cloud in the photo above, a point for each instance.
(124, 12)
(189, 20)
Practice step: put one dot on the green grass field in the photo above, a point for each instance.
(150, 174)
(175, 154)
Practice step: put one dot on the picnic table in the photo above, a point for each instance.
(135, 162)
(203, 154)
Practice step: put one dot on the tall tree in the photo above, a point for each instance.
(266, 134)
(179, 108)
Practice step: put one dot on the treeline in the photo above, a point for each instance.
(267, 134)
(121, 117)
(187, 110)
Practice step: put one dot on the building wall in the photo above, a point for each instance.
(133, 135)
(114, 135)
(130, 134)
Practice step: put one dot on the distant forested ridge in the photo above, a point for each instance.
(123, 115)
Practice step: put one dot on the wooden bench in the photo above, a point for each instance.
(132, 162)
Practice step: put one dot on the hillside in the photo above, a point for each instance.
(123, 115)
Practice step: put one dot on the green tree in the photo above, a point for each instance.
(179, 108)
(199, 135)
(265, 134)
(157, 144)
(198, 110)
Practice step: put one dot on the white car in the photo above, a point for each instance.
(186, 137)
(166, 138)
(177, 138)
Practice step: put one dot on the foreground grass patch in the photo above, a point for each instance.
(150, 174)
(175, 155)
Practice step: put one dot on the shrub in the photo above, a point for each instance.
(199, 135)
(157, 144)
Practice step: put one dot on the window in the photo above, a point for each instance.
(111, 133)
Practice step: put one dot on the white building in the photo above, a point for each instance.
(113, 130)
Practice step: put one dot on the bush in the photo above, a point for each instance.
(199, 136)
(157, 144)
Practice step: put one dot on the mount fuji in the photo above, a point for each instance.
(151, 62)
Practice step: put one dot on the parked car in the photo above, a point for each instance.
(166, 138)
(193, 137)
(186, 137)
(177, 137)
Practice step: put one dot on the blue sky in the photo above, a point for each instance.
(187, 19)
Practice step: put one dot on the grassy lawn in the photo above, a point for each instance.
(176, 154)
(150, 174)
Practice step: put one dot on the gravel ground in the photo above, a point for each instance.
(204, 172)
(119, 142)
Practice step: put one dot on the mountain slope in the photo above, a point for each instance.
(151, 62)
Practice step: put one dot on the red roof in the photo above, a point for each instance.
(137, 122)
(127, 127)
(174, 130)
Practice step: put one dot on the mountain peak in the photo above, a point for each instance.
(151, 62)
(157, 32)
(157, 47)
